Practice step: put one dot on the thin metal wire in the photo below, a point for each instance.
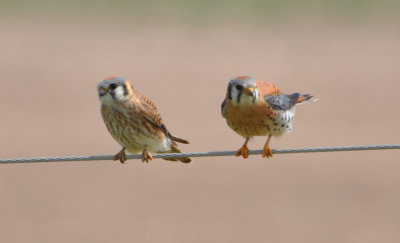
(200, 154)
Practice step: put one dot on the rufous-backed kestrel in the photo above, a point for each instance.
(134, 122)
(256, 108)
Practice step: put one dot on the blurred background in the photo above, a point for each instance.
(182, 54)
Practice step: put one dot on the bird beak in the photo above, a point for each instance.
(249, 91)
(103, 91)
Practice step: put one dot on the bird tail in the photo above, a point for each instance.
(179, 140)
(305, 98)
(174, 149)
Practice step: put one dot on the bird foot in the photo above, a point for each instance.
(121, 156)
(146, 156)
(267, 152)
(243, 151)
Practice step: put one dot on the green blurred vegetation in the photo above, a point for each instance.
(209, 8)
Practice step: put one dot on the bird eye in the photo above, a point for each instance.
(113, 86)
(239, 87)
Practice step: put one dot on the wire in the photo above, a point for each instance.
(200, 154)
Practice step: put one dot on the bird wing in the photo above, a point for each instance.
(282, 101)
(150, 113)
(267, 88)
(278, 101)
(274, 97)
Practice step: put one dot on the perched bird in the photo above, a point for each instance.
(134, 122)
(256, 108)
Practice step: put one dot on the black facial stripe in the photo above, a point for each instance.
(223, 106)
(125, 90)
(230, 91)
(239, 95)
(112, 93)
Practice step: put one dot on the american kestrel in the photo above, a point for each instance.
(256, 108)
(134, 122)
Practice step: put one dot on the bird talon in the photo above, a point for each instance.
(243, 151)
(267, 152)
(121, 156)
(146, 156)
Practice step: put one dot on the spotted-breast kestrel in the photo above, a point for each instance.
(256, 108)
(134, 122)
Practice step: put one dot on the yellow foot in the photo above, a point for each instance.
(267, 152)
(121, 156)
(243, 151)
(146, 156)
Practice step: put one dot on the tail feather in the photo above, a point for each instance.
(305, 98)
(179, 140)
(174, 149)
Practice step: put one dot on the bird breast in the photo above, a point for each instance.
(258, 120)
(132, 131)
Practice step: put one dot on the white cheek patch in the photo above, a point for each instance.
(119, 94)
(234, 94)
(255, 94)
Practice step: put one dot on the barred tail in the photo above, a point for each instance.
(305, 98)
(174, 149)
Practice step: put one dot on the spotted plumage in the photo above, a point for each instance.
(256, 108)
(134, 122)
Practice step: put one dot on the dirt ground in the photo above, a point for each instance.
(49, 107)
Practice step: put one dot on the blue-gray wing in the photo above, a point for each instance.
(282, 101)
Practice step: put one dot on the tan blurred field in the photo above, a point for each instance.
(50, 65)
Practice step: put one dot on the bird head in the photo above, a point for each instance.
(114, 89)
(242, 90)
